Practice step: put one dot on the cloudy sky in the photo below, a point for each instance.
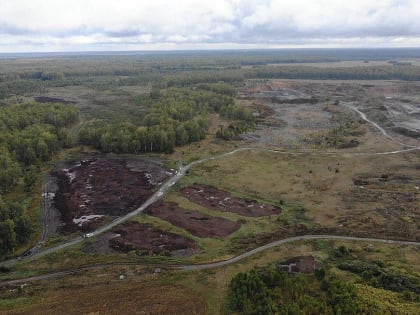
(80, 25)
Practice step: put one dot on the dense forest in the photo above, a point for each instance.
(377, 275)
(175, 118)
(270, 290)
(29, 135)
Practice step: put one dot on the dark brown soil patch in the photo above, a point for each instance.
(216, 199)
(92, 190)
(47, 99)
(311, 100)
(148, 240)
(196, 223)
(303, 264)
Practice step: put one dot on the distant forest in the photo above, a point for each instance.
(23, 77)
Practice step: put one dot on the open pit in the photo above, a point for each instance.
(216, 199)
(196, 223)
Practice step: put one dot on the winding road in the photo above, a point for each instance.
(382, 130)
(289, 240)
(214, 264)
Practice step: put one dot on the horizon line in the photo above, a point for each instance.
(133, 51)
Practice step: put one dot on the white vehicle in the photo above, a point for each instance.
(87, 235)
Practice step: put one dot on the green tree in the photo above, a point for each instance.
(30, 177)
(10, 171)
(23, 228)
(7, 236)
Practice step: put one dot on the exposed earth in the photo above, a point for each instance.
(216, 199)
(302, 264)
(148, 240)
(48, 99)
(295, 113)
(92, 191)
(196, 223)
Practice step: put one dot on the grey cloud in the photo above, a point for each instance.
(242, 22)
(122, 33)
(7, 29)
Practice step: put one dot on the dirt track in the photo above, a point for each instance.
(218, 263)
(196, 223)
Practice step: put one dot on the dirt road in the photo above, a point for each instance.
(214, 264)
(382, 130)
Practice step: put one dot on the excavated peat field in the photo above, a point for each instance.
(95, 190)
(216, 199)
(149, 240)
(196, 223)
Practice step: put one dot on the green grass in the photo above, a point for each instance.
(18, 272)
(19, 301)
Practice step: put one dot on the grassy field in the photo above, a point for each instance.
(322, 184)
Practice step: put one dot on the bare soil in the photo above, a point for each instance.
(303, 264)
(196, 223)
(301, 109)
(48, 99)
(216, 199)
(148, 240)
(100, 244)
(93, 190)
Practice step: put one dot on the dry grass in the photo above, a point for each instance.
(322, 184)
(102, 292)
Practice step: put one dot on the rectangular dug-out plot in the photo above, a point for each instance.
(196, 223)
(216, 199)
(150, 240)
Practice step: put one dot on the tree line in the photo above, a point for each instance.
(29, 134)
(15, 225)
(387, 72)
